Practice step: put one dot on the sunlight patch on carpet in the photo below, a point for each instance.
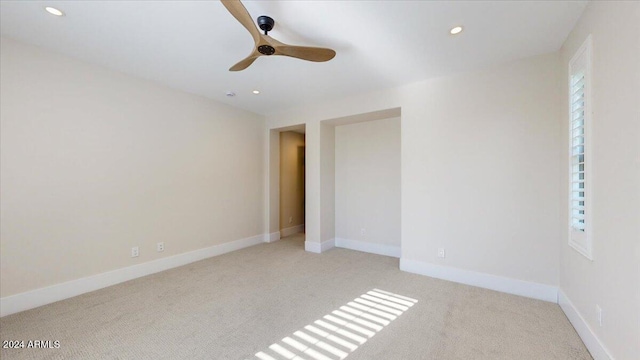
(342, 331)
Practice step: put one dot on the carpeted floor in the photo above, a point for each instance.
(245, 303)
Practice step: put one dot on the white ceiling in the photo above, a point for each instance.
(190, 45)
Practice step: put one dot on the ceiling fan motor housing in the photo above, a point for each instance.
(266, 50)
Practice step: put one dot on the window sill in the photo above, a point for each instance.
(581, 249)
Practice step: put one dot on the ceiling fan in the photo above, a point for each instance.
(266, 45)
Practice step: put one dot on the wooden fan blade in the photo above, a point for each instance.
(305, 52)
(241, 14)
(243, 64)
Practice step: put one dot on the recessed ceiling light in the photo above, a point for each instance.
(231, 94)
(54, 11)
(256, 92)
(456, 30)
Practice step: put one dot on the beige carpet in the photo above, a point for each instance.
(243, 303)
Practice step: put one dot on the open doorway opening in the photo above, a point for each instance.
(292, 181)
(352, 196)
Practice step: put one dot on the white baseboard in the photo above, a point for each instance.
(292, 230)
(487, 281)
(274, 236)
(589, 338)
(327, 245)
(316, 247)
(50, 294)
(379, 249)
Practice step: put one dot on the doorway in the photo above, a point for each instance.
(292, 182)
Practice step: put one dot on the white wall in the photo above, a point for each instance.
(479, 167)
(480, 171)
(272, 186)
(368, 182)
(327, 181)
(94, 162)
(612, 279)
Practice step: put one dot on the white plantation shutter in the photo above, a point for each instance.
(579, 154)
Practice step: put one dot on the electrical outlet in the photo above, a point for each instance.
(160, 246)
(441, 253)
(599, 314)
(363, 231)
(290, 219)
(135, 252)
